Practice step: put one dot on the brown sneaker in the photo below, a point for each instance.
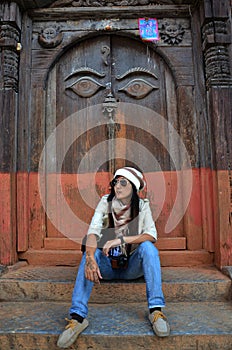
(159, 324)
(71, 332)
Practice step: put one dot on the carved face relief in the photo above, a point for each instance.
(50, 37)
(172, 33)
(86, 86)
(109, 65)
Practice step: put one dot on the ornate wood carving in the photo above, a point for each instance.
(138, 88)
(171, 32)
(107, 3)
(105, 50)
(215, 47)
(85, 86)
(109, 109)
(10, 69)
(9, 42)
(82, 70)
(135, 70)
(50, 37)
(9, 35)
(29, 4)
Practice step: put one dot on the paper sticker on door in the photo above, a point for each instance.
(148, 29)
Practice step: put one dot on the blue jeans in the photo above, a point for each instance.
(143, 262)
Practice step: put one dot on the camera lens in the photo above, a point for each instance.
(122, 261)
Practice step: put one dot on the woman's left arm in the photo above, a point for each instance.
(139, 238)
(128, 240)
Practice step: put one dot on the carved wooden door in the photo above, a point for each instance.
(106, 71)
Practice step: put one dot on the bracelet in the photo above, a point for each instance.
(122, 240)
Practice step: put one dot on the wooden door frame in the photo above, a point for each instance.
(25, 189)
(184, 86)
(185, 98)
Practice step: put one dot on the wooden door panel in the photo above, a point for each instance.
(135, 61)
(133, 73)
(139, 78)
(83, 76)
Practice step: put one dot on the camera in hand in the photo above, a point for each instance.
(122, 261)
(119, 262)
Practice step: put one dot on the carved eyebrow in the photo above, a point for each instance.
(136, 70)
(85, 70)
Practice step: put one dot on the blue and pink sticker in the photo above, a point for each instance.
(148, 29)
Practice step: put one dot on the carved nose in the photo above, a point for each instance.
(110, 101)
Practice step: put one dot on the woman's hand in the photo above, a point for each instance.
(92, 271)
(110, 244)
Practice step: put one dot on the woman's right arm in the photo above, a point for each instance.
(92, 271)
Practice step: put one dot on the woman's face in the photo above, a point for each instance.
(123, 189)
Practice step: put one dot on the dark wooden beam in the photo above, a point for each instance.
(33, 4)
(110, 12)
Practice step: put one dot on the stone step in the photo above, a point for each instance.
(36, 326)
(56, 284)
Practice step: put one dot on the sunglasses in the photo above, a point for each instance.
(122, 182)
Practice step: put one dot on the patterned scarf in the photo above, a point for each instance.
(122, 216)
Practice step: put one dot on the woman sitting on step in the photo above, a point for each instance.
(123, 250)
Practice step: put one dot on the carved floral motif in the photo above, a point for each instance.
(107, 3)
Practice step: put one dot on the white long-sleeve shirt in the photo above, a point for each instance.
(146, 222)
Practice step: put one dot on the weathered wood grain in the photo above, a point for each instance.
(73, 257)
(22, 211)
(174, 243)
(8, 255)
(110, 12)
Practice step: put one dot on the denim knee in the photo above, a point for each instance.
(148, 248)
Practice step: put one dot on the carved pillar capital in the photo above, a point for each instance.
(216, 39)
(10, 32)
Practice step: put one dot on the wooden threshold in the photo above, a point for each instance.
(172, 243)
(73, 257)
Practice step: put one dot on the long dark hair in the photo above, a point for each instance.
(133, 224)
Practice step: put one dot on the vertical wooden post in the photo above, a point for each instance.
(188, 131)
(216, 48)
(10, 30)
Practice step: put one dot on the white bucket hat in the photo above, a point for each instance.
(133, 175)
